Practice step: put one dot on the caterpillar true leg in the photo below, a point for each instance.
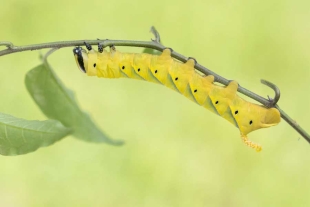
(100, 47)
(112, 48)
(88, 46)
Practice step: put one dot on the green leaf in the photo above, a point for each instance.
(57, 102)
(151, 51)
(19, 136)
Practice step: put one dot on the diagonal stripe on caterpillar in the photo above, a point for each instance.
(181, 77)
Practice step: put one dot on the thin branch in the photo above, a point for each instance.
(155, 44)
(131, 43)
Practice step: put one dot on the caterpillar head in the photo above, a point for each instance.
(81, 58)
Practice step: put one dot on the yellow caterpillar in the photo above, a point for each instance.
(183, 78)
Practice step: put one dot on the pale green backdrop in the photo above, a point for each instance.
(176, 153)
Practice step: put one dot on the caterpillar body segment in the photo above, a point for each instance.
(183, 78)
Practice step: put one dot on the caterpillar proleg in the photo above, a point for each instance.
(183, 78)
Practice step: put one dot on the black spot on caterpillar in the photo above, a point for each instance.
(183, 78)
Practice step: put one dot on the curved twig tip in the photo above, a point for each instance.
(272, 101)
(7, 44)
(156, 34)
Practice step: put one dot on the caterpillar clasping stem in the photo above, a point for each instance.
(183, 78)
(112, 48)
(251, 144)
(192, 59)
(88, 46)
(100, 47)
(169, 48)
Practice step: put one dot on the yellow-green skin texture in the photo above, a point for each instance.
(182, 77)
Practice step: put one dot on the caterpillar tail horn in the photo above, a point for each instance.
(253, 145)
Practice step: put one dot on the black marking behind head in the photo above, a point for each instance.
(78, 52)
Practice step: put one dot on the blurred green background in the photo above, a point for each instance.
(176, 153)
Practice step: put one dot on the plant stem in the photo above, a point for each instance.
(157, 46)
